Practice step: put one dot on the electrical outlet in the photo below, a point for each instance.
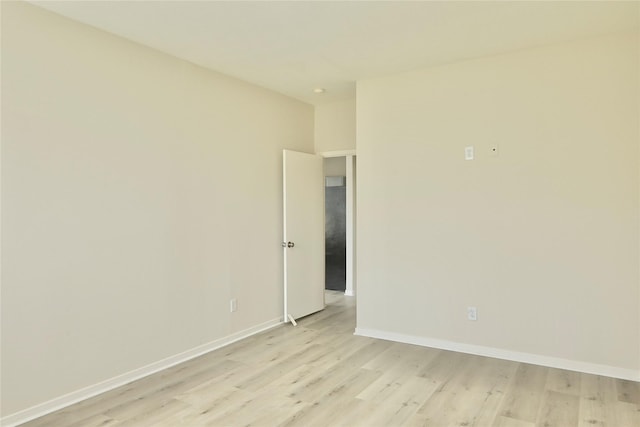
(472, 313)
(233, 305)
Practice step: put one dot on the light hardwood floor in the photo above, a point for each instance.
(320, 374)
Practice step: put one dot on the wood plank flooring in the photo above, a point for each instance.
(320, 374)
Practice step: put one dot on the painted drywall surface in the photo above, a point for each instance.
(139, 193)
(335, 126)
(542, 239)
(335, 166)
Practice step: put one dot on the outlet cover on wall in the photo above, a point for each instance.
(472, 313)
(233, 305)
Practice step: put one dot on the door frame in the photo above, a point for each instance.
(350, 184)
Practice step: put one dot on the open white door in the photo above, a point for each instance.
(303, 240)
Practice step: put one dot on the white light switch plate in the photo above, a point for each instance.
(468, 153)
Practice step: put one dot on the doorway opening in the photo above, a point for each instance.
(339, 175)
(335, 230)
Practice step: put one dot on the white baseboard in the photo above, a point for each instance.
(50, 406)
(349, 293)
(535, 359)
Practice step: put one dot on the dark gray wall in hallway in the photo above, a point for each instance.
(335, 238)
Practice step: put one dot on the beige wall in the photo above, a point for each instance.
(335, 166)
(542, 239)
(137, 189)
(335, 126)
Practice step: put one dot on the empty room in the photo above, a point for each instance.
(164, 180)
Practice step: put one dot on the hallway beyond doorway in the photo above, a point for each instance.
(335, 235)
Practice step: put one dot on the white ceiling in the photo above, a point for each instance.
(294, 47)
